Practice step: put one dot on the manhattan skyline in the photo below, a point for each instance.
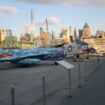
(15, 14)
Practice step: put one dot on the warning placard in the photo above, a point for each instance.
(66, 64)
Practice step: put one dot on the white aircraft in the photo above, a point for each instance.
(78, 50)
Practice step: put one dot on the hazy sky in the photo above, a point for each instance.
(15, 14)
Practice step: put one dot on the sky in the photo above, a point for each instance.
(15, 14)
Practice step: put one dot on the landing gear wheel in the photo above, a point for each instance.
(56, 63)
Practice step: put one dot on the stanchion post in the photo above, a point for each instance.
(44, 90)
(12, 91)
(85, 71)
(89, 70)
(79, 76)
(99, 62)
(69, 83)
(92, 68)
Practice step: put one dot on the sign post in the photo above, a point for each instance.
(79, 77)
(69, 83)
(85, 70)
(89, 70)
(12, 95)
(44, 90)
(69, 67)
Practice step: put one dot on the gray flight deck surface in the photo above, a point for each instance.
(28, 84)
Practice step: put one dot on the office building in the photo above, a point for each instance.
(2, 35)
(86, 33)
(32, 25)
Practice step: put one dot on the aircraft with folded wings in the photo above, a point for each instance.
(37, 55)
(79, 50)
(32, 56)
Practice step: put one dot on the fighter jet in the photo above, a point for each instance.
(36, 55)
(32, 56)
(79, 50)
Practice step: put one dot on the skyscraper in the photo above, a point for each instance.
(86, 31)
(70, 34)
(26, 29)
(80, 33)
(75, 34)
(70, 31)
(47, 37)
(2, 35)
(32, 25)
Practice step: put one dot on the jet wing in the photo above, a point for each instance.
(59, 45)
(75, 53)
(18, 58)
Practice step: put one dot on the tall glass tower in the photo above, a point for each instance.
(32, 25)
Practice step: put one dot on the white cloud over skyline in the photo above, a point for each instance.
(8, 10)
(97, 3)
(51, 21)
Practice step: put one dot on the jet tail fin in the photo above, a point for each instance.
(59, 45)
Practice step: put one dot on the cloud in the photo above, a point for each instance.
(99, 3)
(51, 21)
(8, 9)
